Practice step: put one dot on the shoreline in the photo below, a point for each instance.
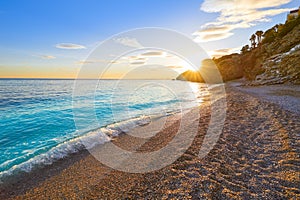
(17, 184)
(287, 96)
(255, 156)
(132, 123)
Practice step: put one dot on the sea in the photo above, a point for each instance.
(43, 120)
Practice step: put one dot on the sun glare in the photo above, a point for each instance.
(187, 66)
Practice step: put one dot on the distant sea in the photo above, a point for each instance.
(37, 125)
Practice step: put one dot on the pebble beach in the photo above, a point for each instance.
(256, 157)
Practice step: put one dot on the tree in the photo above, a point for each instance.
(259, 35)
(245, 49)
(252, 39)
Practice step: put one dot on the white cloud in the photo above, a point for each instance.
(138, 63)
(130, 42)
(146, 55)
(82, 62)
(47, 57)
(202, 37)
(222, 52)
(154, 54)
(175, 67)
(140, 59)
(236, 14)
(239, 5)
(137, 57)
(69, 46)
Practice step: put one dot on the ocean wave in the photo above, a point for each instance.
(85, 141)
(153, 104)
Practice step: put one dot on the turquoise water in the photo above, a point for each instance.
(44, 120)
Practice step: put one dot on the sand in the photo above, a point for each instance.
(285, 95)
(256, 157)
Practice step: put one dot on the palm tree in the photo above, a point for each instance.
(259, 35)
(253, 43)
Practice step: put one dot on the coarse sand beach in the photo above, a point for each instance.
(256, 157)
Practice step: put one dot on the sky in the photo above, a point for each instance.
(54, 39)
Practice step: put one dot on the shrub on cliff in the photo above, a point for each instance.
(288, 27)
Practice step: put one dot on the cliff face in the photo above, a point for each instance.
(190, 76)
(215, 71)
(208, 73)
(280, 68)
(275, 60)
(230, 67)
(282, 60)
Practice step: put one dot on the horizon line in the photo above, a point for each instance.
(79, 79)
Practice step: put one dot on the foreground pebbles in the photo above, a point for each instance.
(256, 157)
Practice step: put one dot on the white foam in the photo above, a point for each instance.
(86, 141)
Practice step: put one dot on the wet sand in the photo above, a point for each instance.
(256, 157)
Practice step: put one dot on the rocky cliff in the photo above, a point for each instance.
(190, 75)
(275, 60)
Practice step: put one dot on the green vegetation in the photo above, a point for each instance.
(259, 35)
(280, 30)
(274, 42)
(245, 49)
(266, 54)
(288, 26)
(269, 36)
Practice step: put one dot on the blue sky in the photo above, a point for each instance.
(32, 30)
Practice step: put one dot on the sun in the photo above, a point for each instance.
(187, 66)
